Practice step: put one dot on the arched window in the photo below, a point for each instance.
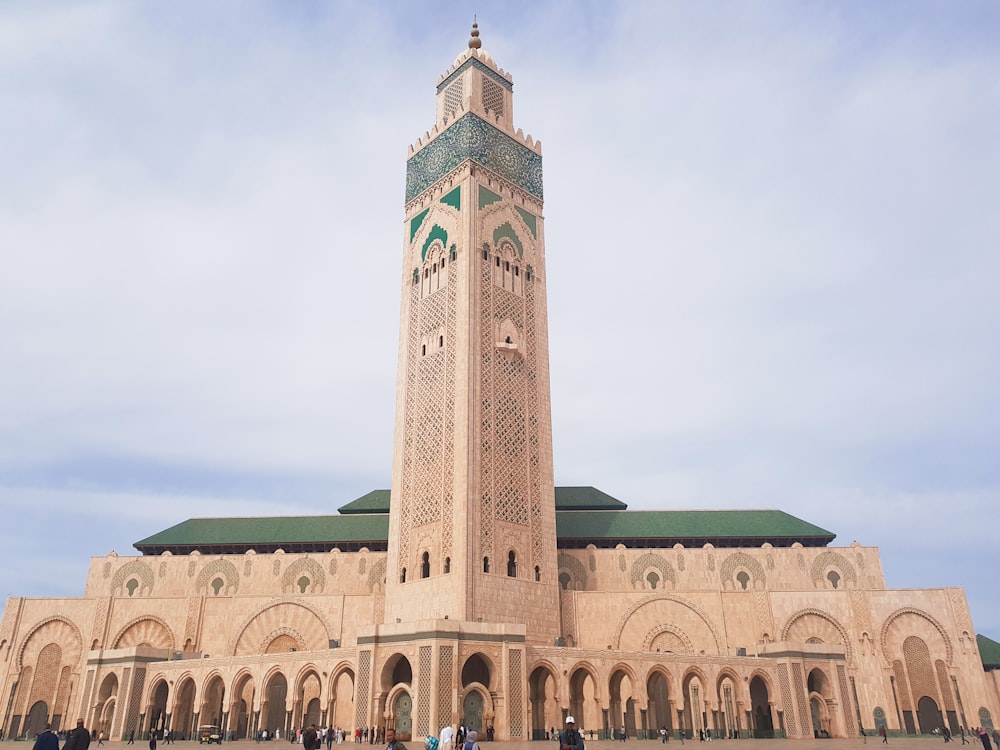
(131, 586)
(538, 573)
(440, 340)
(653, 579)
(744, 579)
(486, 565)
(303, 583)
(217, 585)
(564, 580)
(834, 578)
(402, 576)
(423, 349)
(512, 564)
(425, 565)
(447, 565)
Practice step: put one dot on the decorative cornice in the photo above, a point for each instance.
(474, 63)
(471, 138)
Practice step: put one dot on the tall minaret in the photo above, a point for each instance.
(472, 522)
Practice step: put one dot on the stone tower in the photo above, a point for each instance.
(472, 522)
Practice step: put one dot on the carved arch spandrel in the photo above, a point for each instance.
(817, 628)
(887, 653)
(668, 599)
(56, 629)
(289, 613)
(145, 629)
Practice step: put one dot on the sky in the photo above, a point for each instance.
(773, 253)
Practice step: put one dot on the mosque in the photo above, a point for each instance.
(473, 591)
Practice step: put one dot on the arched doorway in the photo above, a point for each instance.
(182, 724)
(583, 704)
(545, 714)
(342, 697)
(476, 669)
(621, 694)
(760, 708)
(239, 709)
(820, 692)
(37, 717)
(307, 701)
(694, 718)
(397, 679)
(658, 691)
(157, 711)
(472, 711)
(104, 713)
(272, 711)
(402, 710)
(728, 720)
(211, 706)
(928, 715)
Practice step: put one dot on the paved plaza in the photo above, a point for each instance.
(915, 742)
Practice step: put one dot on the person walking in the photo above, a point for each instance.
(885, 735)
(152, 740)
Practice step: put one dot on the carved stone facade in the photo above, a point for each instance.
(472, 611)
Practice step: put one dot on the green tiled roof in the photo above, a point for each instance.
(376, 501)
(989, 652)
(567, 498)
(267, 534)
(586, 498)
(664, 528)
(575, 529)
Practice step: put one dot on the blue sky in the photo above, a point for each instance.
(773, 257)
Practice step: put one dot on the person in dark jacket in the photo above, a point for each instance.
(47, 739)
(569, 738)
(79, 738)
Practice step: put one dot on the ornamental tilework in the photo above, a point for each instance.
(471, 137)
(485, 69)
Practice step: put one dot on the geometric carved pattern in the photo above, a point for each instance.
(738, 561)
(492, 97)
(830, 559)
(576, 571)
(919, 670)
(848, 711)
(786, 698)
(516, 683)
(470, 137)
(137, 570)
(448, 496)
(651, 560)
(668, 639)
(135, 699)
(901, 686)
(376, 577)
(364, 687)
(453, 96)
(445, 671)
(219, 568)
(945, 683)
(762, 608)
(193, 617)
(310, 569)
(567, 616)
(423, 726)
(800, 694)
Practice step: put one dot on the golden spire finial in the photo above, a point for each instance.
(474, 42)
